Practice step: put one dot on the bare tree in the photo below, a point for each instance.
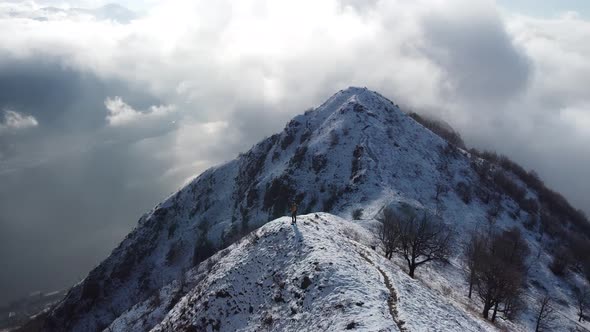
(490, 282)
(474, 253)
(500, 275)
(546, 314)
(423, 240)
(513, 302)
(418, 240)
(493, 212)
(582, 298)
(562, 261)
(389, 232)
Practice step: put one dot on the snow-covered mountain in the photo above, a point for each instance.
(354, 154)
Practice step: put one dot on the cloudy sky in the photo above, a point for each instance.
(104, 111)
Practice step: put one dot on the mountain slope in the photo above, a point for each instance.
(356, 151)
(299, 277)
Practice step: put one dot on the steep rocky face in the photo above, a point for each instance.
(356, 151)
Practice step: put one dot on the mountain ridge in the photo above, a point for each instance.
(320, 274)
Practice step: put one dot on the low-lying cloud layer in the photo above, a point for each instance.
(121, 108)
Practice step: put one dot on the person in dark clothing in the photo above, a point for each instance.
(293, 213)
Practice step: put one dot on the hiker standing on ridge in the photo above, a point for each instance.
(293, 213)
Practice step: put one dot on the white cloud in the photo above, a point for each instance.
(13, 120)
(120, 113)
(579, 119)
(499, 78)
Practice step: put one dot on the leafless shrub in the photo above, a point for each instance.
(318, 162)
(299, 156)
(334, 138)
(562, 259)
(351, 233)
(531, 222)
(357, 214)
(441, 129)
(582, 297)
(546, 314)
(439, 190)
(464, 192)
(447, 291)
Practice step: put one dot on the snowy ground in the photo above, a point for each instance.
(318, 275)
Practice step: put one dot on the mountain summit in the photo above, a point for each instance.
(184, 267)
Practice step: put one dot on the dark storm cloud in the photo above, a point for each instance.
(478, 58)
